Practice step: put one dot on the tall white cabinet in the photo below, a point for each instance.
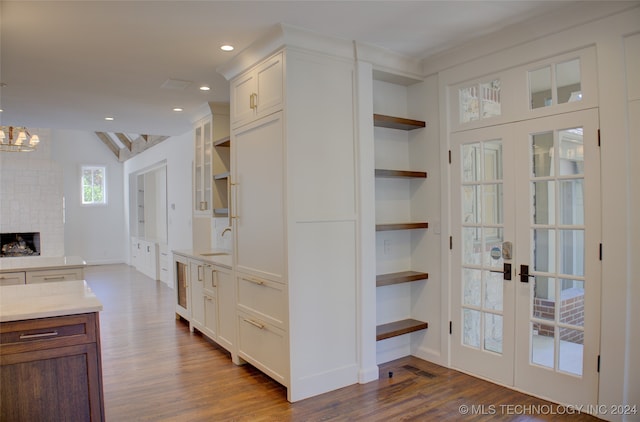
(294, 216)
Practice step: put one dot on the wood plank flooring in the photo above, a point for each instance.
(156, 370)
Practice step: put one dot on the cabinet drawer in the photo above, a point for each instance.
(266, 299)
(8, 279)
(263, 345)
(44, 333)
(45, 276)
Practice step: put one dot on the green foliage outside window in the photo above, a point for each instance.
(93, 185)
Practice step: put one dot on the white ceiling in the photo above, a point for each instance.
(68, 64)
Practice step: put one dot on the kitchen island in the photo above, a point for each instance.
(50, 355)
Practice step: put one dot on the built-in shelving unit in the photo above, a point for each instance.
(401, 226)
(401, 173)
(221, 159)
(400, 277)
(389, 192)
(400, 123)
(398, 328)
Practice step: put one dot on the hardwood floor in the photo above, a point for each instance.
(156, 370)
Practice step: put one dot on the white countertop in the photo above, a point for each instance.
(215, 256)
(42, 300)
(28, 263)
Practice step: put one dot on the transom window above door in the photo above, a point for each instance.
(554, 84)
(480, 101)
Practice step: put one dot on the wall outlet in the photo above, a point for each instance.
(386, 246)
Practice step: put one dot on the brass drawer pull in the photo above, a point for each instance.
(39, 335)
(254, 281)
(255, 324)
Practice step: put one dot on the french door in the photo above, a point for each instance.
(525, 266)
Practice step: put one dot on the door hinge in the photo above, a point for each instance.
(598, 137)
(450, 156)
(598, 363)
(451, 329)
(451, 243)
(600, 252)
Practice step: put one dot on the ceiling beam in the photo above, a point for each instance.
(132, 147)
(125, 140)
(104, 137)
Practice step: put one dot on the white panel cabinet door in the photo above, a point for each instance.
(197, 271)
(9, 279)
(258, 92)
(258, 211)
(226, 308)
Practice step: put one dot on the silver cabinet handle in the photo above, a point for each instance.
(255, 324)
(39, 335)
(58, 277)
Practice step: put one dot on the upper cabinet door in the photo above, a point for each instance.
(258, 92)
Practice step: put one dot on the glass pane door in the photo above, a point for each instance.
(483, 300)
(559, 196)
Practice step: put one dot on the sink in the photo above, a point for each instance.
(214, 253)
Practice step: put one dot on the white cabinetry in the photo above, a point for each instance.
(63, 274)
(294, 211)
(206, 299)
(164, 263)
(197, 270)
(224, 292)
(258, 214)
(7, 279)
(145, 257)
(202, 167)
(258, 92)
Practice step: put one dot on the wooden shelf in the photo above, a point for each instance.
(380, 120)
(398, 328)
(221, 176)
(401, 173)
(400, 277)
(401, 226)
(223, 142)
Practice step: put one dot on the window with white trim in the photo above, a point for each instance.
(94, 185)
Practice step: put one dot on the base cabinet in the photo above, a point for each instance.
(206, 299)
(41, 276)
(226, 307)
(263, 345)
(8, 279)
(51, 369)
(45, 276)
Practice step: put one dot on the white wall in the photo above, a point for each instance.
(96, 233)
(178, 152)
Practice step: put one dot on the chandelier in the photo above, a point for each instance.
(17, 139)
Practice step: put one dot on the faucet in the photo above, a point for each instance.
(226, 229)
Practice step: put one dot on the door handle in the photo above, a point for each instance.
(506, 272)
(524, 274)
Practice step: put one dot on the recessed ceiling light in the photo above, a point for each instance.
(204, 88)
(178, 109)
(226, 47)
(108, 118)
